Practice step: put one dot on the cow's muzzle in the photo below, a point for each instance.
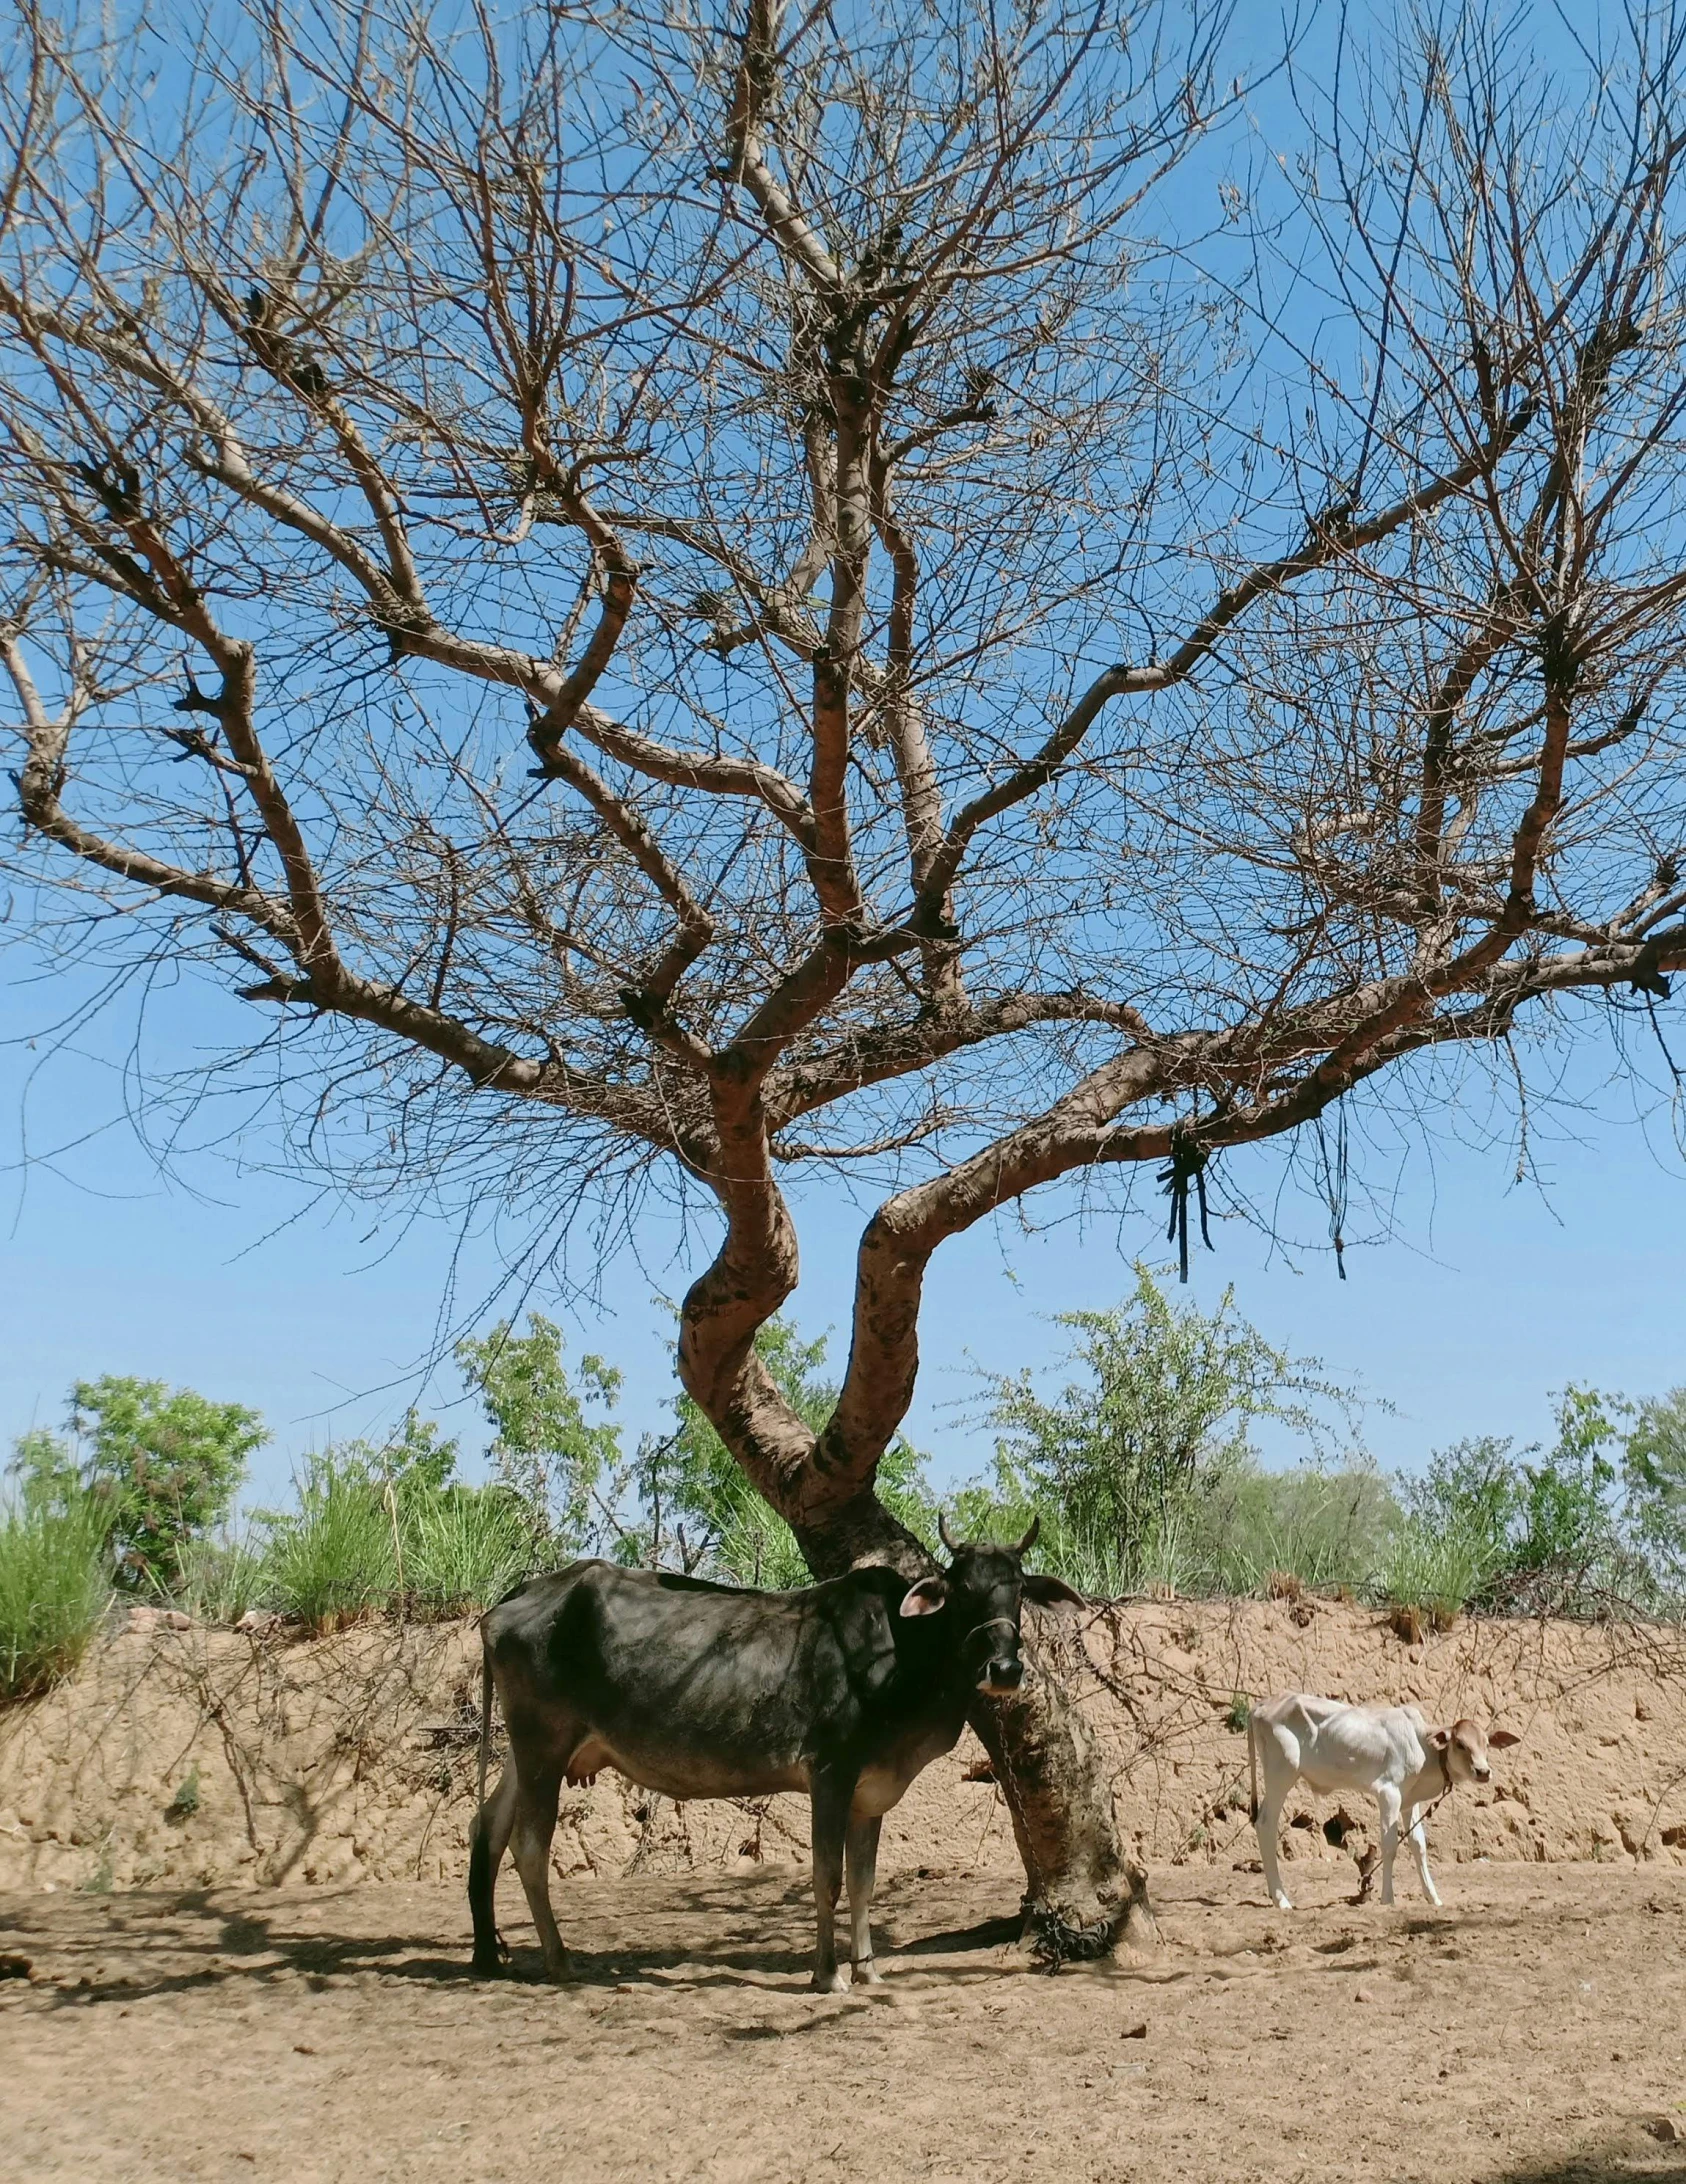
(1001, 1677)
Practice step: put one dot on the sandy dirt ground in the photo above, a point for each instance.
(1532, 2029)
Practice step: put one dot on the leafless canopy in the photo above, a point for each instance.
(744, 591)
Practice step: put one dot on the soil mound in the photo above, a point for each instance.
(201, 1757)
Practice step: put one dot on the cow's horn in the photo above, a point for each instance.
(1029, 1540)
(953, 1546)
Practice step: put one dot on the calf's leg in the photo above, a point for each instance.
(1419, 1850)
(1388, 1806)
(863, 1876)
(1275, 1755)
(832, 1795)
(1268, 1827)
(488, 1839)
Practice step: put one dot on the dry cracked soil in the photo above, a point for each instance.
(1528, 2032)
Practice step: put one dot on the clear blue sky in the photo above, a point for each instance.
(1489, 1296)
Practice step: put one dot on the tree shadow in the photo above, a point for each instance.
(1624, 2161)
(998, 1933)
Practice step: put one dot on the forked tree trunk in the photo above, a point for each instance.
(1083, 1892)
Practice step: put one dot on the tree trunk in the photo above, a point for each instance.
(1083, 1892)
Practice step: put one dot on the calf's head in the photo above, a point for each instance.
(1464, 1747)
(982, 1591)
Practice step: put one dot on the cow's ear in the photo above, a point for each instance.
(1502, 1739)
(1051, 1592)
(1440, 1738)
(926, 1598)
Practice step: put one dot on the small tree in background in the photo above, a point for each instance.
(548, 1450)
(1654, 1482)
(1163, 1409)
(163, 1463)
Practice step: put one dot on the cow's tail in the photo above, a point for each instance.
(488, 1952)
(485, 1721)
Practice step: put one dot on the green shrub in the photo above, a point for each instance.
(547, 1452)
(162, 1465)
(1128, 1453)
(222, 1579)
(54, 1586)
(1654, 1486)
(1330, 1528)
(464, 1547)
(332, 1559)
(1433, 1575)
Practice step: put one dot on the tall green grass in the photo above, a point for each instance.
(1328, 1528)
(221, 1579)
(1431, 1574)
(354, 1546)
(54, 1587)
(332, 1560)
(463, 1548)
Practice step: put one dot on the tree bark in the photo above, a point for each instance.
(1084, 1893)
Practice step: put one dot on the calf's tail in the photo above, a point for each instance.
(1252, 1771)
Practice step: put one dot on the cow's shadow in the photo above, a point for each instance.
(706, 1936)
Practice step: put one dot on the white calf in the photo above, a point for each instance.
(1387, 1752)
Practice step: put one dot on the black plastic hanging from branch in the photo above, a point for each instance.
(1187, 1165)
(1335, 1172)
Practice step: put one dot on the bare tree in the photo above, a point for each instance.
(722, 598)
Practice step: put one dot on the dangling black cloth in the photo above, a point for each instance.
(1187, 1165)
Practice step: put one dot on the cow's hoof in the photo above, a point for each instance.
(488, 1964)
(867, 1974)
(831, 1982)
(1282, 1902)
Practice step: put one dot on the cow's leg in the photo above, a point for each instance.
(1419, 1850)
(863, 1877)
(833, 1794)
(1388, 1803)
(488, 1839)
(534, 1825)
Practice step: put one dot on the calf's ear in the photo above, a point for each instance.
(1439, 1739)
(1502, 1739)
(1049, 1592)
(925, 1598)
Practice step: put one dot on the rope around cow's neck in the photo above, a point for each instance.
(1445, 1752)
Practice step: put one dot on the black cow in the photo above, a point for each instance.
(844, 1690)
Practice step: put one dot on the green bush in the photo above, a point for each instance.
(54, 1585)
(1128, 1462)
(1432, 1575)
(332, 1559)
(1539, 1538)
(464, 1547)
(1328, 1528)
(547, 1452)
(164, 1465)
(1654, 1489)
(221, 1579)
